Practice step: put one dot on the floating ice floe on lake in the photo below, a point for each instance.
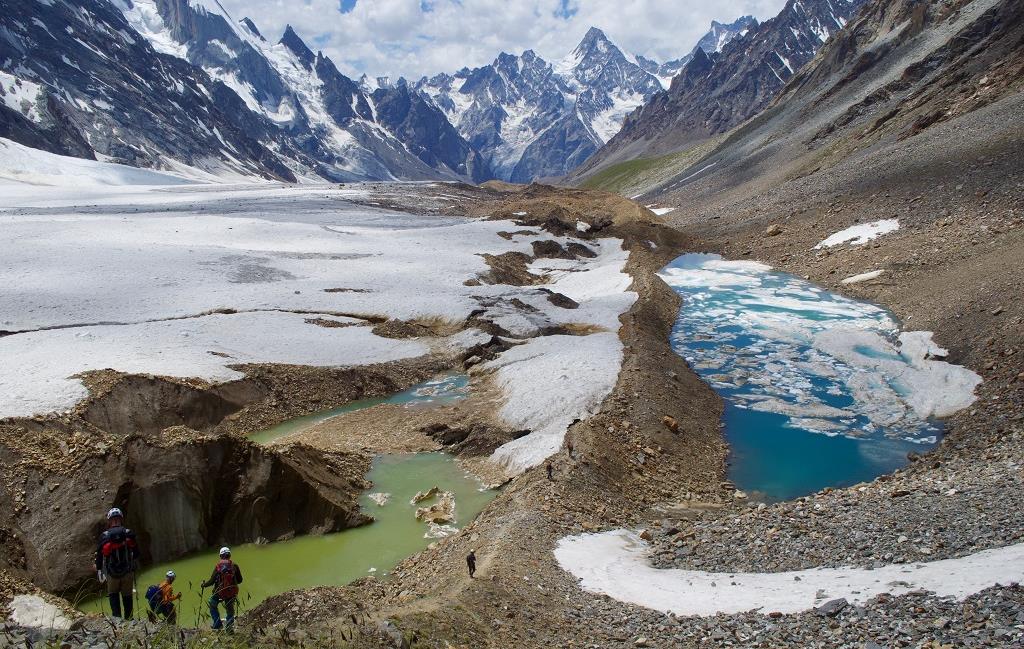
(861, 233)
(439, 531)
(828, 363)
(615, 564)
(380, 498)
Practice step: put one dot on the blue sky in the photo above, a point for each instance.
(416, 37)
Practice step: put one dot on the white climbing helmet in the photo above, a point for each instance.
(225, 551)
(170, 574)
(114, 513)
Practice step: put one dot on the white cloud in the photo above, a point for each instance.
(401, 37)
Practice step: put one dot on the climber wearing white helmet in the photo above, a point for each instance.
(117, 557)
(225, 579)
(161, 599)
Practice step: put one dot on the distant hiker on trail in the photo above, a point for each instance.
(550, 470)
(117, 557)
(161, 599)
(225, 579)
(471, 562)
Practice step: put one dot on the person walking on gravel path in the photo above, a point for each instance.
(117, 557)
(225, 579)
(471, 563)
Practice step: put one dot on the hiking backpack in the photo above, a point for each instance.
(227, 588)
(118, 552)
(153, 596)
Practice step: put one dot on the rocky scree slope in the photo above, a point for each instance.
(169, 83)
(532, 118)
(864, 115)
(717, 90)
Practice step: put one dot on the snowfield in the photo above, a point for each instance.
(193, 280)
(614, 563)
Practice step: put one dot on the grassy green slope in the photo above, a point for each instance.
(633, 177)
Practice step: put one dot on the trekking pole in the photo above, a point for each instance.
(202, 601)
(135, 591)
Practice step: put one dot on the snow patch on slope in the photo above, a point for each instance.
(615, 563)
(23, 165)
(549, 382)
(860, 233)
(144, 17)
(21, 96)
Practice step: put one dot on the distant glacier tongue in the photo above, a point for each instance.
(818, 391)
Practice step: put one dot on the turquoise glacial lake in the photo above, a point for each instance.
(814, 383)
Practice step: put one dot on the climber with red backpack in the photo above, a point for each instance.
(117, 557)
(225, 580)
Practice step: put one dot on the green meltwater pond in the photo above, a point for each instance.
(441, 390)
(331, 559)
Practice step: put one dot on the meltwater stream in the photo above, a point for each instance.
(441, 390)
(818, 392)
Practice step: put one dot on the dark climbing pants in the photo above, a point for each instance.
(116, 608)
(229, 609)
(168, 612)
(119, 590)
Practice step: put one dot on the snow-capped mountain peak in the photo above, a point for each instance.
(297, 47)
(167, 82)
(720, 34)
(533, 118)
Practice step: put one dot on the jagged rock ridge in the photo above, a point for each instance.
(717, 90)
(533, 118)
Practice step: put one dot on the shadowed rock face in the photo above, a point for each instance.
(147, 405)
(109, 88)
(182, 495)
(427, 132)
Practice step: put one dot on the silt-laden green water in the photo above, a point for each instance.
(441, 390)
(330, 559)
